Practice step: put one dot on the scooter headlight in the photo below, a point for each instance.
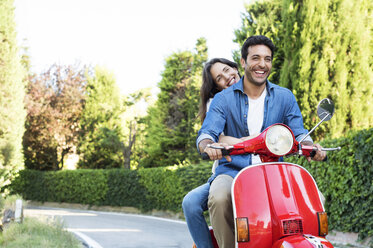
(279, 140)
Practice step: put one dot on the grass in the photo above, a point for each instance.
(34, 233)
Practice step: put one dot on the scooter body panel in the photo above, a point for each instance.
(251, 201)
(279, 200)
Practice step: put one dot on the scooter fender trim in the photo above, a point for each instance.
(302, 241)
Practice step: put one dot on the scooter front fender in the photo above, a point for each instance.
(302, 241)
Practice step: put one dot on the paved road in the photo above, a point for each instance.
(114, 230)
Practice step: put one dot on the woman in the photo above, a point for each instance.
(218, 74)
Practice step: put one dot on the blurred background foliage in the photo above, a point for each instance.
(73, 116)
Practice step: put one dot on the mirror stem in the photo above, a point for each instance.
(318, 124)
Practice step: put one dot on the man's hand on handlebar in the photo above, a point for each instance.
(213, 153)
(319, 156)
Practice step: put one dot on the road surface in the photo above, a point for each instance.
(119, 230)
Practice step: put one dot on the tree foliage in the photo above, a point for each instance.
(170, 126)
(12, 92)
(100, 138)
(54, 105)
(135, 105)
(332, 60)
(324, 49)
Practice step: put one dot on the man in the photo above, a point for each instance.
(245, 109)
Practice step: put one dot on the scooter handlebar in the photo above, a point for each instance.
(205, 156)
(312, 151)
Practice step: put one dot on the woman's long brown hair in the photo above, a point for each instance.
(209, 87)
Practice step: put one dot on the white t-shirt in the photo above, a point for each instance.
(255, 118)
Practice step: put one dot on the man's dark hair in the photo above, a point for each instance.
(256, 40)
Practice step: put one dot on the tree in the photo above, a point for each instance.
(133, 117)
(327, 56)
(100, 140)
(54, 105)
(170, 126)
(320, 53)
(12, 92)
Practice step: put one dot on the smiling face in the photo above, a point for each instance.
(224, 75)
(258, 64)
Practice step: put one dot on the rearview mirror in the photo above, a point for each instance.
(325, 109)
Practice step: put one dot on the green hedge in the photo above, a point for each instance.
(123, 189)
(346, 180)
(160, 188)
(79, 186)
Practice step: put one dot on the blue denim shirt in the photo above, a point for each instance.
(228, 114)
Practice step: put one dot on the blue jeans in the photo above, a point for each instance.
(194, 204)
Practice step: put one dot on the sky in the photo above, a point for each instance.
(131, 39)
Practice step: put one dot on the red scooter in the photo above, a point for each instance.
(277, 204)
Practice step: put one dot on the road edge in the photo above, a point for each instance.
(85, 240)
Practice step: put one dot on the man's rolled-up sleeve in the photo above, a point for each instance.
(214, 122)
(202, 137)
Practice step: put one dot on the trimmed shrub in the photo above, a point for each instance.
(124, 189)
(161, 188)
(30, 184)
(164, 190)
(193, 176)
(79, 186)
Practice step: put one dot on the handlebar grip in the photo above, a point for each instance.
(205, 156)
(225, 152)
(313, 153)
